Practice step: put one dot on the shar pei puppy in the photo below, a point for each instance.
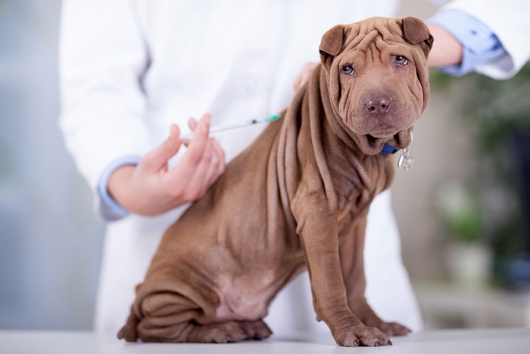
(296, 199)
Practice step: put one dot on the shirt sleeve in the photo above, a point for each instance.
(107, 207)
(508, 21)
(480, 44)
(102, 60)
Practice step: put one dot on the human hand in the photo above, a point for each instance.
(150, 188)
(304, 75)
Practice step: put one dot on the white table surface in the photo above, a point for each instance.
(483, 341)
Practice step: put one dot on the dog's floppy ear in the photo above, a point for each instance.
(331, 44)
(416, 32)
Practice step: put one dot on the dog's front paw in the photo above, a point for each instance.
(361, 335)
(391, 328)
(370, 319)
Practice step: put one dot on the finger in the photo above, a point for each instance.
(199, 141)
(297, 80)
(192, 123)
(218, 150)
(281, 111)
(214, 168)
(199, 167)
(191, 159)
(301, 80)
(198, 182)
(304, 75)
(211, 171)
(211, 167)
(157, 159)
(206, 117)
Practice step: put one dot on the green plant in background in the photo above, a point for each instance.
(495, 112)
(458, 209)
(495, 109)
(492, 109)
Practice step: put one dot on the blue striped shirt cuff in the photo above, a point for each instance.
(480, 44)
(110, 209)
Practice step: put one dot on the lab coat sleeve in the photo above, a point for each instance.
(480, 44)
(102, 59)
(508, 19)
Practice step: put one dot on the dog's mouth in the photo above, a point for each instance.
(372, 145)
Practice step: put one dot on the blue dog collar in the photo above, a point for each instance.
(389, 149)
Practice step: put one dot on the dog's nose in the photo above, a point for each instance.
(378, 105)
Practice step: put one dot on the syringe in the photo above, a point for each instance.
(237, 125)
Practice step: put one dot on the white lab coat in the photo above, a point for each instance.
(131, 68)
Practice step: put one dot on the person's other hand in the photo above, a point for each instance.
(150, 188)
(304, 75)
(446, 50)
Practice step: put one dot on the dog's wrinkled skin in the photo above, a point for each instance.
(296, 199)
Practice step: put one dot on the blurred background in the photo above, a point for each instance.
(50, 243)
(462, 210)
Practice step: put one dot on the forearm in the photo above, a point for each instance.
(507, 22)
(119, 188)
(463, 43)
(446, 50)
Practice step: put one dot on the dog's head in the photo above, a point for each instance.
(378, 78)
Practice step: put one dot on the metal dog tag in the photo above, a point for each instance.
(405, 161)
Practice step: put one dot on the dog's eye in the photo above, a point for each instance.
(401, 60)
(348, 70)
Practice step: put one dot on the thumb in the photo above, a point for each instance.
(157, 159)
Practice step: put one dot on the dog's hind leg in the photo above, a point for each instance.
(231, 331)
(168, 316)
(255, 329)
(190, 332)
(163, 316)
(221, 332)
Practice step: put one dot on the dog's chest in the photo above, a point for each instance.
(356, 184)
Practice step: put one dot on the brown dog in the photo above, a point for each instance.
(296, 199)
